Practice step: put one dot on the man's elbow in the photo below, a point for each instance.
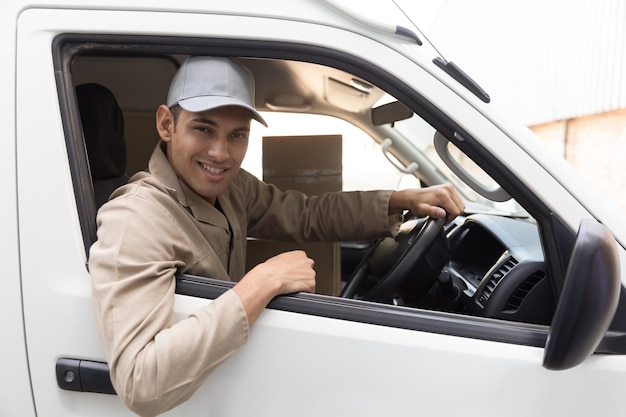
(144, 398)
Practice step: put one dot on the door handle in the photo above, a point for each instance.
(84, 376)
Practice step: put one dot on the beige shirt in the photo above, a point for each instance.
(155, 227)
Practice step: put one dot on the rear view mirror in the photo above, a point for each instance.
(390, 113)
(588, 301)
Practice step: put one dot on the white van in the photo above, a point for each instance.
(517, 308)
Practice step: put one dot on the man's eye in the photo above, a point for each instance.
(239, 136)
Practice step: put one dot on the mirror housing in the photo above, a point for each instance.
(589, 298)
(390, 113)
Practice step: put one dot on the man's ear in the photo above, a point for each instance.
(164, 123)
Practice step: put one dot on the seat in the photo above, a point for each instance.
(103, 127)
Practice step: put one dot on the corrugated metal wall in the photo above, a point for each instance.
(542, 60)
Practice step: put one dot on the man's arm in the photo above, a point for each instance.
(157, 361)
(286, 273)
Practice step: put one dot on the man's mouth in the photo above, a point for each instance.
(212, 170)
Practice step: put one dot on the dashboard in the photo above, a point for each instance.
(498, 266)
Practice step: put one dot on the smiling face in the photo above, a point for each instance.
(205, 149)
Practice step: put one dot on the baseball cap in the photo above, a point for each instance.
(204, 83)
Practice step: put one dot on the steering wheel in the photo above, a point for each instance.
(408, 248)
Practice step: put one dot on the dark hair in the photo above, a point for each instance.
(176, 110)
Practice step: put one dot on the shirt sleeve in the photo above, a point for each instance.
(156, 361)
(330, 217)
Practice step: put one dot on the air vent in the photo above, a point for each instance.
(520, 293)
(495, 279)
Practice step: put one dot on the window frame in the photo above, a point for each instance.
(68, 46)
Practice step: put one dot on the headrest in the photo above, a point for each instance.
(103, 126)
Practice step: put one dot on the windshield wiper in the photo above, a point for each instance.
(450, 67)
(465, 80)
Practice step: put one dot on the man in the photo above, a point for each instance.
(191, 212)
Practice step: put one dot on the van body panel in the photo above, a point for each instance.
(293, 363)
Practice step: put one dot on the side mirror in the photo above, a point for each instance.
(588, 301)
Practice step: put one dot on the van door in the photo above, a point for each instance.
(307, 355)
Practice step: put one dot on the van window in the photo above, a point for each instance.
(472, 253)
(364, 165)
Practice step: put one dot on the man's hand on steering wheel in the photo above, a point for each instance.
(437, 202)
(440, 205)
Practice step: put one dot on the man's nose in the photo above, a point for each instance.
(218, 150)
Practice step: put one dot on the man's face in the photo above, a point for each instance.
(206, 149)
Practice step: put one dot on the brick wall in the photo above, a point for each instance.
(596, 146)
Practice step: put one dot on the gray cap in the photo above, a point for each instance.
(204, 83)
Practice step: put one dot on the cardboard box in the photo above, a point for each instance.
(312, 165)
